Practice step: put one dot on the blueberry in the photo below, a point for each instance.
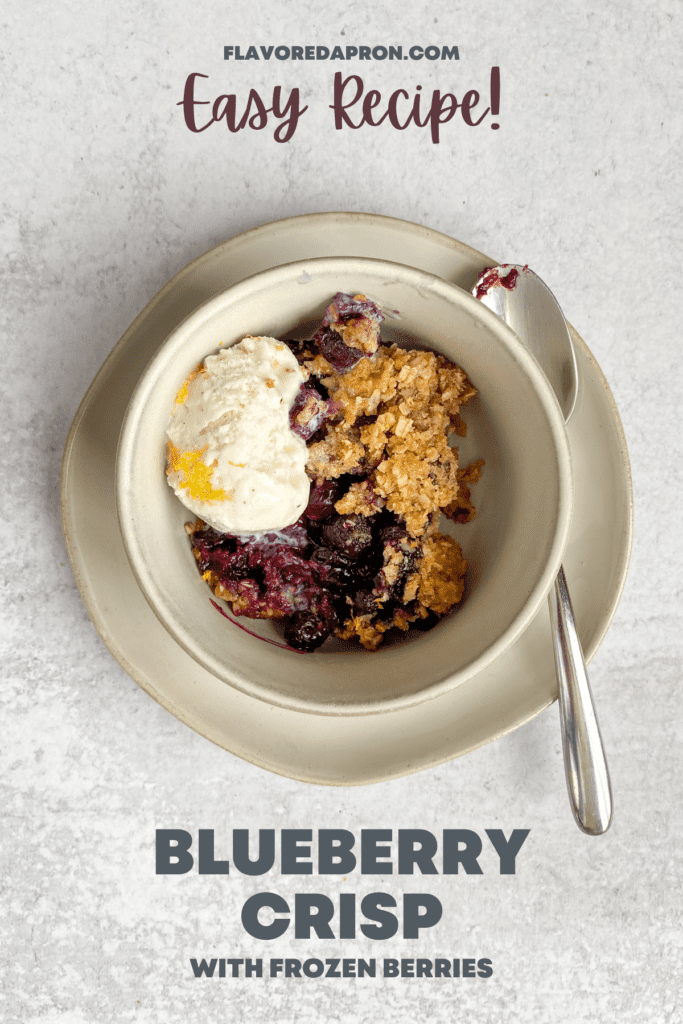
(341, 570)
(309, 412)
(339, 355)
(364, 603)
(230, 566)
(393, 534)
(348, 307)
(322, 500)
(349, 534)
(306, 630)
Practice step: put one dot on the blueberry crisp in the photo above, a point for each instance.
(367, 554)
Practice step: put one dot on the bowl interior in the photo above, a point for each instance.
(513, 546)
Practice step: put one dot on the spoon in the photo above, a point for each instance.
(528, 306)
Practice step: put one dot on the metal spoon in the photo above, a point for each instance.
(528, 306)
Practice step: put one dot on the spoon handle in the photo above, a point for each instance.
(584, 758)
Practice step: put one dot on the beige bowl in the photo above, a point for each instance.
(513, 546)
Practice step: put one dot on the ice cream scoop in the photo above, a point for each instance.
(232, 458)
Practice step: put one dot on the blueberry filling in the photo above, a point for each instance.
(313, 584)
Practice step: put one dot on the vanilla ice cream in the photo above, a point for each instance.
(231, 456)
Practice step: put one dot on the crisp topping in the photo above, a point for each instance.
(412, 401)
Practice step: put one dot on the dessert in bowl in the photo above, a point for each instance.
(512, 547)
(321, 469)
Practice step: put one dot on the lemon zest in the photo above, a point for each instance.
(195, 475)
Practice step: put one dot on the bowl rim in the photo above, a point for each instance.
(529, 607)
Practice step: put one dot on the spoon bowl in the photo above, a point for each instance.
(526, 304)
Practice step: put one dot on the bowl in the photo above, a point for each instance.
(513, 546)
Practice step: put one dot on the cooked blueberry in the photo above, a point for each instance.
(305, 630)
(322, 500)
(309, 412)
(393, 534)
(350, 307)
(350, 534)
(339, 355)
(341, 570)
(230, 566)
(365, 603)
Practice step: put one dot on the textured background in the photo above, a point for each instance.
(105, 195)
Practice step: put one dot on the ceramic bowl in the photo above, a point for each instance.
(513, 546)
